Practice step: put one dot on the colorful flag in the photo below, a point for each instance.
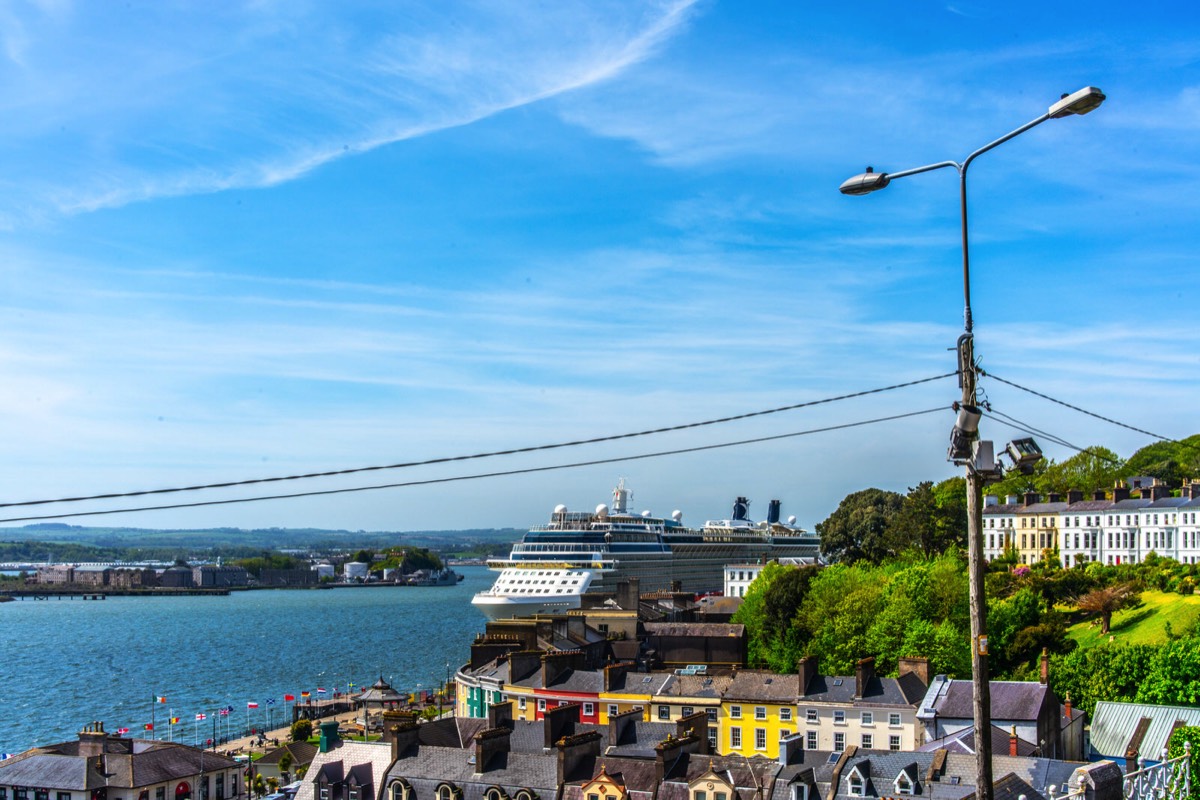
(201, 715)
(160, 698)
(122, 731)
(320, 690)
(252, 704)
(306, 694)
(287, 698)
(149, 726)
(224, 712)
(270, 701)
(174, 720)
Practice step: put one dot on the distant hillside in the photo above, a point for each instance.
(36, 542)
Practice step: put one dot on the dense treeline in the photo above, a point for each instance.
(913, 605)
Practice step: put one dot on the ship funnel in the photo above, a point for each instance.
(741, 508)
(773, 512)
(620, 498)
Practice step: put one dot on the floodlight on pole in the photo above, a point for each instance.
(965, 448)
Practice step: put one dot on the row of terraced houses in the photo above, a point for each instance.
(1111, 528)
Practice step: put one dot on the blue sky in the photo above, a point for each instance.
(268, 238)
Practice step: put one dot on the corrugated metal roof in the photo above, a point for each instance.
(1113, 724)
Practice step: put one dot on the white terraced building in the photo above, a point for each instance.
(1111, 530)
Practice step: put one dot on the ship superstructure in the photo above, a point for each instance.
(576, 552)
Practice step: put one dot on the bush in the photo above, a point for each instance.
(301, 730)
(1175, 749)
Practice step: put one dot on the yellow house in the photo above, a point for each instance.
(626, 690)
(1037, 528)
(684, 695)
(759, 708)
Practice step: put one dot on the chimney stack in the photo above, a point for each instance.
(488, 744)
(1030, 498)
(621, 726)
(576, 751)
(1074, 496)
(808, 671)
(788, 746)
(1044, 678)
(559, 722)
(522, 664)
(1120, 492)
(499, 715)
(919, 666)
(557, 664)
(1099, 495)
(864, 673)
(91, 740)
(1012, 741)
(403, 736)
(329, 736)
(666, 753)
(696, 726)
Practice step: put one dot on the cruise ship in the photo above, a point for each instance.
(553, 565)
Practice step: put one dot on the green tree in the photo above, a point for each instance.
(1174, 675)
(858, 528)
(1093, 468)
(1106, 672)
(1106, 601)
(286, 761)
(768, 611)
(302, 730)
(837, 612)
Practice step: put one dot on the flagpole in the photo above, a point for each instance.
(153, 703)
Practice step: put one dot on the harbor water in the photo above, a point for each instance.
(67, 663)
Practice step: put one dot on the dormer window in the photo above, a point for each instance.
(904, 784)
(855, 784)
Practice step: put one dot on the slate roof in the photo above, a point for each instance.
(1015, 700)
(746, 775)
(636, 774)
(640, 742)
(964, 742)
(362, 759)
(428, 767)
(710, 685)
(764, 686)
(128, 763)
(1090, 505)
(709, 629)
(302, 753)
(906, 690)
(641, 683)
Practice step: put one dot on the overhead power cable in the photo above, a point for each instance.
(1013, 422)
(479, 476)
(1074, 408)
(477, 456)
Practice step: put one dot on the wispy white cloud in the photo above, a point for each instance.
(173, 103)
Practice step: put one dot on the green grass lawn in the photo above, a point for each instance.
(1146, 624)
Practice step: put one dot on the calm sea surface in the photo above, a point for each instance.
(65, 663)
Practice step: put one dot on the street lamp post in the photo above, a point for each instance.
(963, 449)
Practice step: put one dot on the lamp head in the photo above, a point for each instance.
(867, 182)
(1086, 99)
(1024, 453)
(965, 432)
